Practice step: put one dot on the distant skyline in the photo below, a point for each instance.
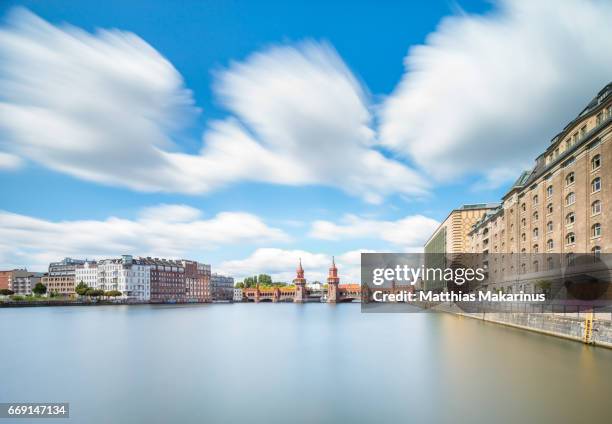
(248, 134)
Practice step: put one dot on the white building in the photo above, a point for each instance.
(132, 277)
(237, 294)
(87, 273)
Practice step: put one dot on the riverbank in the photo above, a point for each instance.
(588, 328)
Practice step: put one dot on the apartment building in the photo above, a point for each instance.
(237, 294)
(132, 277)
(22, 282)
(87, 273)
(197, 281)
(61, 276)
(167, 279)
(222, 287)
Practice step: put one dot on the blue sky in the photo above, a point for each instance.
(434, 114)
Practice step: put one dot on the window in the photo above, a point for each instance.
(549, 208)
(549, 244)
(523, 222)
(535, 216)
(595, 207)
(549, 226)
(570, 238)
(523, 207)
(594, 144)
(535, 233)
(536, 266)
(596, 162)
(596, 185)
(583, 131)
(536, 248)
(569, 180)
(569, 162)
(549, 191)
(570, 259)
(596, 251)
(523, 237)
(599, 118)
(596, 230)
(550, 264)
(535, 199)
(570, 199)
(570, 218)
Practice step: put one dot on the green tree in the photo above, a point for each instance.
(39, 289)
(264, 280)
(250, 282)
(6, 292)
(94, 292)
(81, 289)
(240, 285)
(112, 293)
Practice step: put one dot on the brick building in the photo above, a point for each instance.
(197, 281)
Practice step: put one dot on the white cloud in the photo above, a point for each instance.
(169, 231)
(410, 232)
(281, 265)
(304, 104)
(485, 94)
(9, 162)
(108, 108)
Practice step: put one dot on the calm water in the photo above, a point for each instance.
(280, 363)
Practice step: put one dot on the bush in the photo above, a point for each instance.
(6, 292)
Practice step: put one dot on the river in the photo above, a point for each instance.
(286, 363)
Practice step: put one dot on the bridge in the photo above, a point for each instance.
(300, 293)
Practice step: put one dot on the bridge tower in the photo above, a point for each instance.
(300, 285)
(332, 283)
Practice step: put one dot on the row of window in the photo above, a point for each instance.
(570, 198)
(570, 218)
(569, 180)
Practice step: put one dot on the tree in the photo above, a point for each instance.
(39, 289)
(250, 282)
(112, 293)
(81, 289)
(240, 285)
(94, 292)
(264, 280)
(6, 292)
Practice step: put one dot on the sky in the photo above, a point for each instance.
(250, 134)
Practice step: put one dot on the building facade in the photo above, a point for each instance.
(197, 281)
(130, 276)
(237, 294)
(167, 280)
(222, 287)
(61, 276)
(21, 281)
(87, 273)
(4, 279)
(557, 210)
(452, 237)
(562, 205)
